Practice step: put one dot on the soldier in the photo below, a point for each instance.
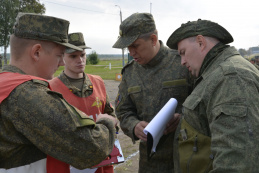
(257, 59)
(35, 121)
(218, 131)
(153, 77)
(253, 61)
(84, 91)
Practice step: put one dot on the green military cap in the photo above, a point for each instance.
(76, 39)
(199, 27)
(132, 27)
(252, 59)
(41, 27)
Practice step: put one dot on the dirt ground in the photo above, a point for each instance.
(130, 150)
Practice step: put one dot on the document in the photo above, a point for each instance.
(155, 129)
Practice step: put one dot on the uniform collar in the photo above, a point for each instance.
(216, 56)
(87, 83)
(157, 58)
(14, 69)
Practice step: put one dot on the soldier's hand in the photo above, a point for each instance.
(138, 130)
(172, 124)
(115, 120)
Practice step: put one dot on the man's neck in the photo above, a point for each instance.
(74, 75)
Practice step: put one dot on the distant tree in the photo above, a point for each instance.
(87, 61)
(8, 12)
(0, 61)
(32, 6)
(93, 58)
(242, 52)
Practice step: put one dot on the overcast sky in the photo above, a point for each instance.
(99, 20)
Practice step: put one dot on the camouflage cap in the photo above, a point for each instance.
(41, 27)
(199, 27)
(132, 27)
(76, 39)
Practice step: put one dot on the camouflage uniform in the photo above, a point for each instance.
(35, 121)
(146, 88)
(256, 66)
(143, 91)
(83, 89)
(223, 106)
(86, 91)
(253, 61)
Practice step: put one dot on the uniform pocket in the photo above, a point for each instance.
(134, 89)
(177, 89)
(174, 83)
(192, 102)
(230, 126)
(194, 150)
(135, 93)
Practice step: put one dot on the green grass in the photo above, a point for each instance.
(101, 69)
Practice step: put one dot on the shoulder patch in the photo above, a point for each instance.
(127, 65)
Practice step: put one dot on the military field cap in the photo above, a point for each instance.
(76, 39)
(41, 27)
(199, 27)
(132, 27)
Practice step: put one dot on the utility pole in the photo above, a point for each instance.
(150, 8)
(122, 48)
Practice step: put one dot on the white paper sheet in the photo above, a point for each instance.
(74, 170)
(158, 124)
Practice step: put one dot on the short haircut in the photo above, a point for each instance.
(146, 36)
(18, 45)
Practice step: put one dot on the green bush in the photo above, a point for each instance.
(93, 58)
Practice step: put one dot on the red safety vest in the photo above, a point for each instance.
(91, 105)
(8, 82)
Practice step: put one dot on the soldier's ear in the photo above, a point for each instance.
(154, 39)
(36, 51)
(201, 41)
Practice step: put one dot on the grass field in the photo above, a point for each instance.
(101, 69)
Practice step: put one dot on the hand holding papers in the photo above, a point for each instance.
(154, 130)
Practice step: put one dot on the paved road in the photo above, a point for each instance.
(112, 89)
(130, 150)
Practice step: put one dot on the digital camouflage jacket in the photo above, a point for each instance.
(224, 106)
(143, 91)
(35, 122)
